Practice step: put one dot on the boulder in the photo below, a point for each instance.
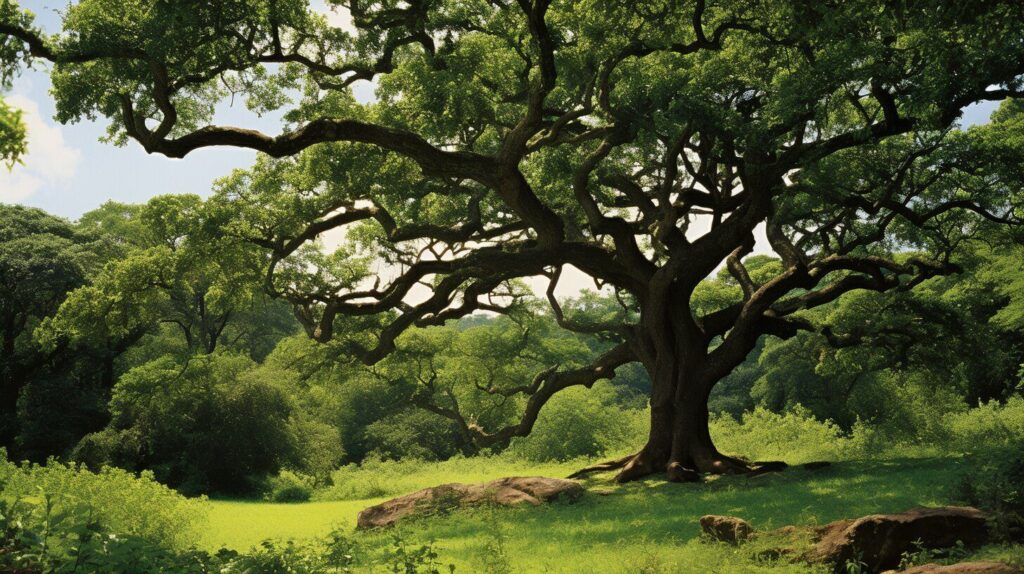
(962, 568)
(512, 491)
(726, 528)
(880, 540)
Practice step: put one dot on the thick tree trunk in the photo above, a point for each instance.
(679, 443)
(674, 351)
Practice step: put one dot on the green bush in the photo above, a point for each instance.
(212, 425)
(319, 448)
(995, 483)
(114, 499)
(795, 436)
(413, 433)
(990, 425)
(578, 423)
(74, 543)
(288, 486)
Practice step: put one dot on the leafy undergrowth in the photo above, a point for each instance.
(644, 527)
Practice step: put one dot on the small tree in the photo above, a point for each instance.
(643, 143)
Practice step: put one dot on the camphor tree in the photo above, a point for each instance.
(642, 143)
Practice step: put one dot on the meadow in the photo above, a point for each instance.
(57, 517)
(645, 527)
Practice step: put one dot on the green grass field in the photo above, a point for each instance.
(644, 527)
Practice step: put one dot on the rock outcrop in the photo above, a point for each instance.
(512, 491)
(880, 540)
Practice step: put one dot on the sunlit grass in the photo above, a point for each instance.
(650, 526)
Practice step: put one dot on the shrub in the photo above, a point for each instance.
(113, 499)
(795, 436)
(73, 543)
(288, 486)
(577, 423)
(319, 448)
(990, 425)
(413, 433)
(995, 483)
(208, 426)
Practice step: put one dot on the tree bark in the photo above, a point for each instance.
(679, 443)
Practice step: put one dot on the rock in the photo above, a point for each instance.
(962, 568)
(880, 540)
(679, 473)
(726, 528)
(511, 491)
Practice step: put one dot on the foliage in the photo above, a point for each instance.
(42, 259)
(72, 395)
(114, 500)
(413, 433)
(12, 135)
(205, 292)
(992, 426)
(995, 483)
(794, 437)
(581, 424)
(288, 486)
(211, 425)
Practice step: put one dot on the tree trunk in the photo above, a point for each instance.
(679, 443)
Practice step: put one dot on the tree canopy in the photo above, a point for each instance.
(644, 144)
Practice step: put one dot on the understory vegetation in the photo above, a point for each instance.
(61, 518)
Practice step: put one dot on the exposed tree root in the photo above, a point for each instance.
(602, 466)
(637, 467)
(640, 465)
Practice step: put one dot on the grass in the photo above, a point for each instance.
(644, 527)
(241, 524)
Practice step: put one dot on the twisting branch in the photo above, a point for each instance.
(544, 386)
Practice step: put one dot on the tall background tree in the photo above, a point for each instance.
(42, 260)
(644, 144)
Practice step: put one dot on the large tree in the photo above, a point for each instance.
(642, 143)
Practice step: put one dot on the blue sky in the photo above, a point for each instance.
(69, 172)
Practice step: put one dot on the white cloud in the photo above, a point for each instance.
(50, 161)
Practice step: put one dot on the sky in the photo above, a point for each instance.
(68, 171)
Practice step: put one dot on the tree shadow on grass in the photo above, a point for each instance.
(659, 510)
